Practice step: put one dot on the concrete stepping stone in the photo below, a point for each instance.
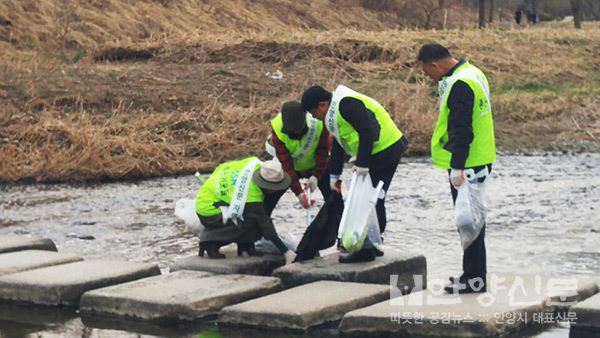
(303, 307)
(64, 284)
(405, 267)
(10, 243)
(587, 314)
(232, 264)
(179, 296)
(510, 303)
(18, 261)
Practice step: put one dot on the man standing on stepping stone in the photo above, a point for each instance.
(463, 139)
(362, 128)
(302, 146)
(230, 206)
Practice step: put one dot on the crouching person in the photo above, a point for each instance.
(230, 205)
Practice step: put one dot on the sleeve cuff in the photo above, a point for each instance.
(362, 163)
(458, 162)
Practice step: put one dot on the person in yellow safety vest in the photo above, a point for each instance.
(362, 128)
(463, 139)
(302, 146)
(230, 206)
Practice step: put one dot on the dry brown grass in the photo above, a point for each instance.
(89, 23)
(84, 147)
(186, 100)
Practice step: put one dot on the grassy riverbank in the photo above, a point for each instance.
(105, 108)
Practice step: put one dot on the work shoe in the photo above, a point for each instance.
(472, 285)
(364, 255)
(211, 249)
(248, 248)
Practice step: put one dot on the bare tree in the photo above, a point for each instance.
(576, 7)
(492, 9)
(442, 6)
(481, 13)
(429, 8)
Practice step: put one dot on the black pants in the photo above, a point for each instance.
(272, 198)
(382, 167)
(474, 257)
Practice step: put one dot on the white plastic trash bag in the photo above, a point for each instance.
(374, 234)
(469, 208)
(185, 209)
(359, 219)
(267, 247)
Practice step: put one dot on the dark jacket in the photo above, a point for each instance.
(364, 122)
(460, 121)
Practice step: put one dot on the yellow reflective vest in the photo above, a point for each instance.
(303, 151)
(346, 135)
(483, 147)
(219, 188)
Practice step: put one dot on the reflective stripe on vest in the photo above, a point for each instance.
(220, 187)
(346, 135)
(303, 151)
(483, 147)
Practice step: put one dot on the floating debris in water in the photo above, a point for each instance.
(83, 237)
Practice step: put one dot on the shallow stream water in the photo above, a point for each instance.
(543, 217)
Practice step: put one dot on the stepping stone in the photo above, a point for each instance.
(64, 284)
(393, 264)
(18, 261)
(303, 307)
(10, 243)
(512, 302)
(246, 265)
(179, 296)
(587, 314)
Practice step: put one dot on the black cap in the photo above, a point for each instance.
(294, 118)
(313, 96)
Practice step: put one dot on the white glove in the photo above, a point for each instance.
(303, 200)
(335, 183)
(457, 177)
(313, 182)
(360, 171)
